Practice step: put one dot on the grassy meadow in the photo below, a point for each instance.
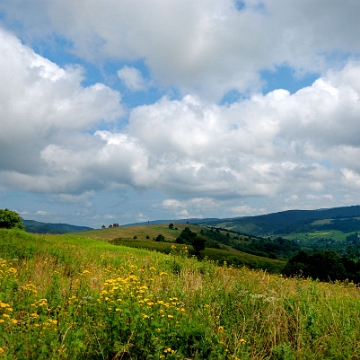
(143, 237)
(73, 297)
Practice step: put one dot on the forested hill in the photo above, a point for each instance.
(47, 228)
(283, 222)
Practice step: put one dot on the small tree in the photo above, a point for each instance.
(171, 226)
(160, 237)
(198, 243)
(10, 220)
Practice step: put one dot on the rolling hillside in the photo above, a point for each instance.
(48, 228)
(219, 247)
(291, 221)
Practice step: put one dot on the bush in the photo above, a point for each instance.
(10, 220)
(160, 237)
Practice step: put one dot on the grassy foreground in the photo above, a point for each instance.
(68, 297)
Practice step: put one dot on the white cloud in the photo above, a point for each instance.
(243, 210)
(132, 78)
(42, 213)
(298, 148)
(188, 147)
(203, 45)
(43, 104)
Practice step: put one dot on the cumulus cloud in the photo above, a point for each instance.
(206, 45)
(132, 78)
(300, 148)
(43, 104)
(269, 145)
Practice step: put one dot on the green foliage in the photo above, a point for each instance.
(273, 248)
(198, 243)
(171, 226)
(191, 238)
(160, 237)
(325, 266)
(10, 220)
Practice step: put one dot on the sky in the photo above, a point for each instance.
(139, 110)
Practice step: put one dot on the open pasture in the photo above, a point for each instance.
(70, 297)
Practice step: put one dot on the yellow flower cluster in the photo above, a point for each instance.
(121, 290)
(31, 288)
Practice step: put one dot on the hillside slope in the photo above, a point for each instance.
(49, 228)
(284, 222)
(71, 297)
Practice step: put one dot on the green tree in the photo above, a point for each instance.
(171, 226)
(198, 243)
(10, 220)
(160, 237)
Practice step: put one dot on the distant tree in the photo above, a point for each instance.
(171, 226)
(198, 243)
(160, 237)
(135, 237)
(147, 237)
(10, 220)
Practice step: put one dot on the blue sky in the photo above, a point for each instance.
(133, 111)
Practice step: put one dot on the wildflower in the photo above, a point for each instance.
(6, 316)
(14, 321)
(86, 272)
(220, 328)
(170, 316)
(2, 350)
(243, 341)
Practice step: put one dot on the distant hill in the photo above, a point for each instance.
(286, 222)
(47, 228)
(181, 221)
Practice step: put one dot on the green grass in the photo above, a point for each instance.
(317, 235)
(231, 256)
(70, 297)
(125, 236)
(141, 231)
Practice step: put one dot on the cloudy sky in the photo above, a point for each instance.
(126, 111)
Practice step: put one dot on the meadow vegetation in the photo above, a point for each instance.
(72, 297)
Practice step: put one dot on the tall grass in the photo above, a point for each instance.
(68, 297)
